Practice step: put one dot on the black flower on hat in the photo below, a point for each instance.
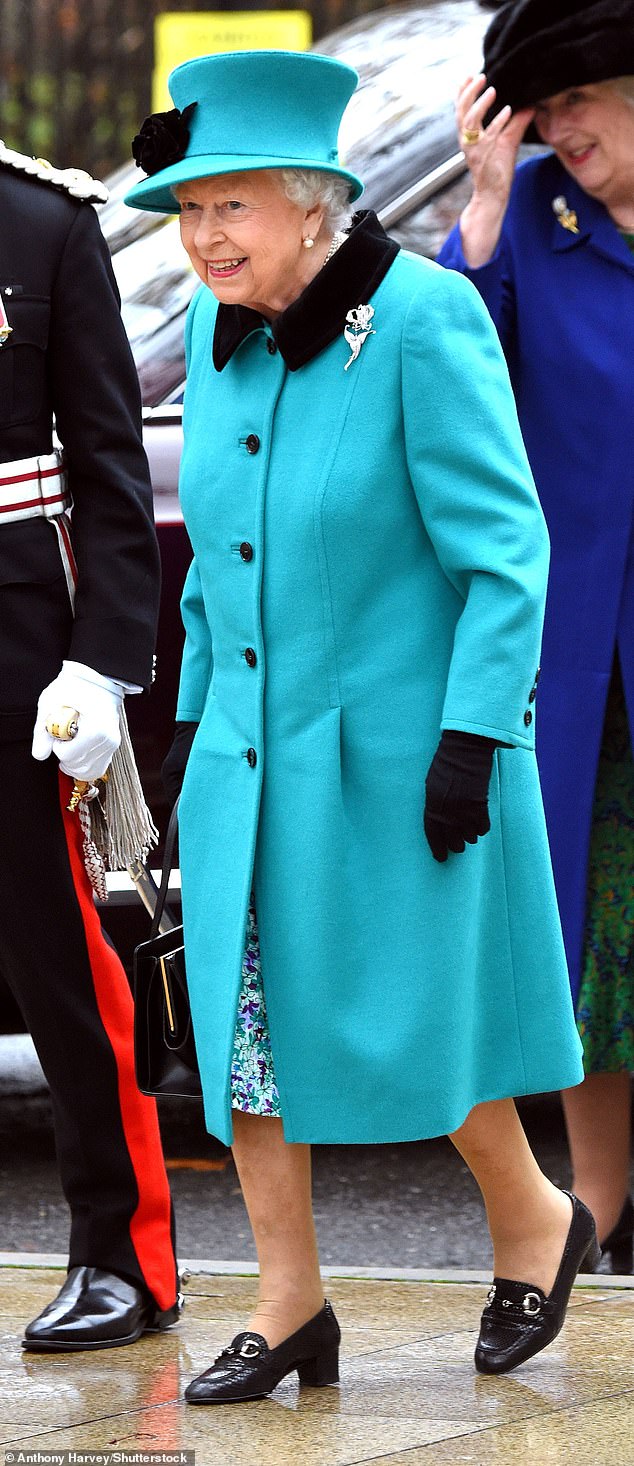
(162, 140)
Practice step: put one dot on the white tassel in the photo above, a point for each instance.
(123, 830)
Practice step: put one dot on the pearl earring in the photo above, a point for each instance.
(308, 243)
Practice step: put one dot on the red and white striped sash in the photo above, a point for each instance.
(33, 487)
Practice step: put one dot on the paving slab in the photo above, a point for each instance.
(408, 1396)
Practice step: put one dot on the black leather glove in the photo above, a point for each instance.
(457, 788)
(174, 765)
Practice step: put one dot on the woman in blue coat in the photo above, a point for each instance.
(363, 618)
(550, 247)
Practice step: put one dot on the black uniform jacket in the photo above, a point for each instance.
(68, 356)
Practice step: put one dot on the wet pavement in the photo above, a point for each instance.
(408, 1395)
(406, 1257)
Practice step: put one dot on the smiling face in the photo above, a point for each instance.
(591, 129)
(245, 239)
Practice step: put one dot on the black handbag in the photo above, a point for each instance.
(164, 1048)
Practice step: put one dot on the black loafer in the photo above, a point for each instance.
(519, 1320)
(620, 1241)
(249, 1370)
(96, 1309)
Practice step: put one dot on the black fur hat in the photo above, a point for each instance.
(536, 48)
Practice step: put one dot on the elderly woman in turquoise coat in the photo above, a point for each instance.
(372, 939)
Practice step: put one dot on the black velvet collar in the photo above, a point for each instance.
(319, 313)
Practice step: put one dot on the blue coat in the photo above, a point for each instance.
(564, 307)
(374, 536)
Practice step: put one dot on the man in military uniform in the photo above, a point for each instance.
(63, 352)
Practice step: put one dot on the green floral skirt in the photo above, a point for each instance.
(253, 1086)
(605, 1011)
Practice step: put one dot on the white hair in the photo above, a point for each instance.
(309, 186)
(624, 85)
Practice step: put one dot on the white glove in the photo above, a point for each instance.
(97, 700)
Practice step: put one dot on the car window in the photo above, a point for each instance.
(411, 59)
(425, 230)
(156, 283)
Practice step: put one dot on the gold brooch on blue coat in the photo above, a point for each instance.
(357, 330)
(5, 328)
(565, 216)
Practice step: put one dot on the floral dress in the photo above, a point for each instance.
(605, 1010)
(253, 1087)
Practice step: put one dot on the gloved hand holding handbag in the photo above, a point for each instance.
(175, 763)
(457, 788)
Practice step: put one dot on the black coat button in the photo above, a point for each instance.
(532, 694)
(246, 551)
(250, 657)
(252, 757)
(528, 718)
(271, 346)
(252, 443)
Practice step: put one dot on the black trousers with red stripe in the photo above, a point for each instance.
(76, 1002)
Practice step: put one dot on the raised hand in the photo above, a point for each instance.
(491, 156)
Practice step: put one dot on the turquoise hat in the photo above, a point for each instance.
(243, 110)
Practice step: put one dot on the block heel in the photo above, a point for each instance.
(592, 1258)
(621, 1256)
(324, 1370)
(619, 1245)
(249, 1370)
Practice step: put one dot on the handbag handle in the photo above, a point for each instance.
(170, 841)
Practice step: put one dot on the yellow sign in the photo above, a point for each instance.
(180, 35)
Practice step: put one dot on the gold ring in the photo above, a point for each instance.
(471, 135)
(64, 729)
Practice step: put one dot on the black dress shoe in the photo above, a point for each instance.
(96, 1309)
(519, 1319)
(620, 1241)
(249, 1370)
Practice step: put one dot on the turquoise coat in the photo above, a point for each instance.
(374, 536)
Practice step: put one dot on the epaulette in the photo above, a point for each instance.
(71, 180)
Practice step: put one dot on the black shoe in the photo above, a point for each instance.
(96, 1309)
(249, 1370)
(620, 1241)
(519, 1319)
